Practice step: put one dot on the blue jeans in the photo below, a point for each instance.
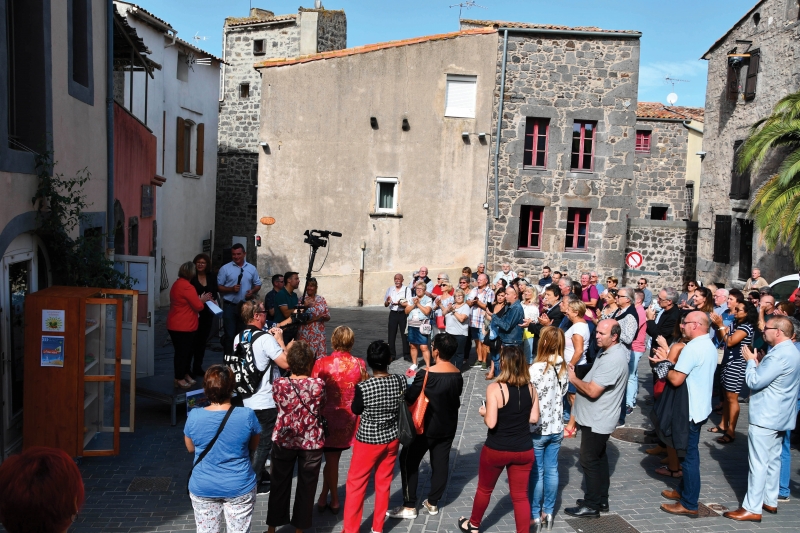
(689, 487)
(633, 379)
(543, 484)
(786, 461)
(495, 362)
(527, 349)
(232, 323)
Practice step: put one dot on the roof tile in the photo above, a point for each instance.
(529, 25)
(660, 111)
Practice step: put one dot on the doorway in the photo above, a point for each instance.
(745, 248)
(24, 271)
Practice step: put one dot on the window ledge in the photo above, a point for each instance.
(529, 167)
(190, 175)
(530, 254)
(385, 215)
(581, 174)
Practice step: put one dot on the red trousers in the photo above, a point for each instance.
(365, 458)
(492, 463)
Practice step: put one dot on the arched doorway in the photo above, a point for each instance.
(25, 270)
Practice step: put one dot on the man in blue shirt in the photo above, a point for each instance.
(648, 294)
(695, 367)
(774, 385)
(237, 281)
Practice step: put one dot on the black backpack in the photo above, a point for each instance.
(243, 364)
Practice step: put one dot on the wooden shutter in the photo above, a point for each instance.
(200, 138)
(740, 181)
(732, 84)
(752, 75)
(722, 239)
(179, 155)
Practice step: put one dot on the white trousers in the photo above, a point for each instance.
(238, 513)
(764, 456)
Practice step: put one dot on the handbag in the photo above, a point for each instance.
(425, 327)
(405, 423)
(320, 419)
(210, 445)
(440, 322)
(419, 407)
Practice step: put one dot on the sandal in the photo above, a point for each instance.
(658, 450)
(726, 439)
(716, 429)
(667, 471)
(570, 434)
(178, 385)
(465, 526)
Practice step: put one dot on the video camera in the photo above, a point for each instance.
(319, 238)
(316, 239)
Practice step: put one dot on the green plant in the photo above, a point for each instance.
(776, 204)
(75, 260)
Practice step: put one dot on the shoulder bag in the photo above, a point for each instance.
(406, 432)
(419, 407)
(321, 419)
(210, 445)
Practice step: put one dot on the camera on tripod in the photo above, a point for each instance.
(316, 239)
(319, 238)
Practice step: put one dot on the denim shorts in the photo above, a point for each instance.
(476, 334)
(415, 337)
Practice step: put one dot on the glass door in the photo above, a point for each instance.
(100, 420)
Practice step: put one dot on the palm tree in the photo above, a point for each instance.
(776, 206)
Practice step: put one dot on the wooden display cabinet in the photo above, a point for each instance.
(74, 368)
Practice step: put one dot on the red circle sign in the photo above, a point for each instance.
(634, 260)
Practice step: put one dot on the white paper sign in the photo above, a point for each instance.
(53, 320)
(214, 307)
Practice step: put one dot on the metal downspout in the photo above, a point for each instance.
(499, 127)
(110, 129)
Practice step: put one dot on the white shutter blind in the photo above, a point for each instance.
(460, 96)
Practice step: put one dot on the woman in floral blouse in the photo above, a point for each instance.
(549, 377)
(297, 439)
(341, 373)
(313, 331)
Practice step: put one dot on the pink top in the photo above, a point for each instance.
(314, 332)
(297, 426)
(341, 372)
(641, 334)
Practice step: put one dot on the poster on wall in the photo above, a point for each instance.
(52, 351)
(53, 320)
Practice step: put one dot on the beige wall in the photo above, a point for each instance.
(79, 130)
(693, 163)
(324, 158)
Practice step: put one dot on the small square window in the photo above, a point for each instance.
(258, 47)
(530, 227)
(658, 212)
(460, 96)
(536, 130)
(386, 195)
(244, 90)
(577, 229)
(583, 145)
(643, 141)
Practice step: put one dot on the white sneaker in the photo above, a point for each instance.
(402, 512)
(432, 509)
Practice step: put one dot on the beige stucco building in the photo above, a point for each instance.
(392, 149)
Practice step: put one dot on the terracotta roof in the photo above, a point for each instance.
(244, 21)
(659, 110)
(281, 61)
(722, 39)
(527, 25)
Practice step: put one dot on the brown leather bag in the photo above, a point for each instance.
(419, 407)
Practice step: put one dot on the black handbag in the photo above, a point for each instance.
(406, 432)
(210, 445)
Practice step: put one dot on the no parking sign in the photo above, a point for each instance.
(634, 260)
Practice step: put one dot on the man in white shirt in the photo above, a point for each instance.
(396, 294)
(270, 355)
(237, 281)
(507, 274)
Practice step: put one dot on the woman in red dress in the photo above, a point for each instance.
(341, 372)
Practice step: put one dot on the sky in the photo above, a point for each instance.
(675, 33)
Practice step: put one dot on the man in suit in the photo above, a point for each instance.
(774, 384)
(664, 323)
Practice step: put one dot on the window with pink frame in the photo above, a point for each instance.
(583, 140)
(643, 141)
(536, 132)
(577, 229)
(530, 227)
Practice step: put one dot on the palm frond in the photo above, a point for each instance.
(773, 134)
(790, 167)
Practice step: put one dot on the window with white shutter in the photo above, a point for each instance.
(460, 96)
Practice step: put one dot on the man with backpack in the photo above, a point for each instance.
(257, 359)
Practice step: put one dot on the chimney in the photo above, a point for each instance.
(258, 13)
(317, 4)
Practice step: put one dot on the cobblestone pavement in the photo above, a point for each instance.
(156, 449)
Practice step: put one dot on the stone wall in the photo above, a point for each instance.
(236, 215)
(331, 31)
(564, 79)
(661, 174)
(669, 251)
(774, 30)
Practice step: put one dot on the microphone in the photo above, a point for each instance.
(335, 234)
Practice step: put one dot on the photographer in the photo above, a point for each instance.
(270, 354)
(237, 281)
(286, 301)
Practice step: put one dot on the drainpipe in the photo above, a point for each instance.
(110, 130)
(499, 127)
(361, 276)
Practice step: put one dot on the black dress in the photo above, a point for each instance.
(204, 323)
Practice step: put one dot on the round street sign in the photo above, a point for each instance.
(634, 260)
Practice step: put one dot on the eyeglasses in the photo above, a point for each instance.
(640, 283)
(765, 329)
(462, 282)
(259, 312)
(687, 323)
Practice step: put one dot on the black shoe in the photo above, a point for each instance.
(582, 512)
(603, 508)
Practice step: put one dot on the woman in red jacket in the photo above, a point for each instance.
(184, 306)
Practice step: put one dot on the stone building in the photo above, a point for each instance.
(750, 68)
(247, 40)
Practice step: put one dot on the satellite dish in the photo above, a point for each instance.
(672, 98)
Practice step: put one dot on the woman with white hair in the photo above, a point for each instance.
(419, 311)
(457, 324)
(530, 305)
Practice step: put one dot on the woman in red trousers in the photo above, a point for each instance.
(376, 400)
(512, 404)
